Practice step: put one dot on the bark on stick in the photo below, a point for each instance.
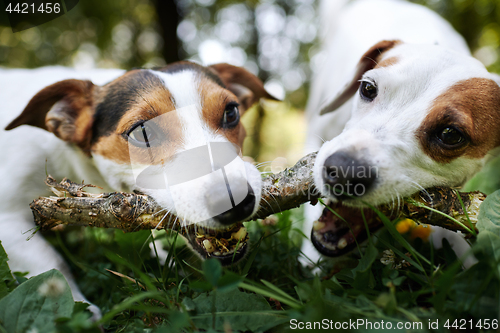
(282, 191)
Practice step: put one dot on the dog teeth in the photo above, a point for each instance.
(240, 234)
(342, 243)
(208, 246)
(317, 225)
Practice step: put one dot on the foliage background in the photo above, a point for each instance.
(275, 39)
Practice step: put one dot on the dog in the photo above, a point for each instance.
(173, 133)
(401, 106)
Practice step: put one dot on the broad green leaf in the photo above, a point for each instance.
(242, 311)
(387, 301)
(200, 286)
(367, 260)
(133, 245)
(6, 278)
(212, 270)
(481, 300)
(36, 303)
(228, 282)
(487, 180)
(188, 303)
(399, 280)
(79, 322)
(362, 274)
(489, 214)
(271, 293)
(489, 244)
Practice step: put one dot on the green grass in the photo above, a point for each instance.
(270, 289)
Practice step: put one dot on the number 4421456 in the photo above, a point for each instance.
(463, 324)
(25, 8)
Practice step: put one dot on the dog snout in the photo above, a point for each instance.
(231, 203)
(346, 176)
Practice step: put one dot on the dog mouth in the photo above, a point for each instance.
(228, 245)
(338, 233)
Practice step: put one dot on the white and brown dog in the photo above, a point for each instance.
(110, 128)
(401, 105)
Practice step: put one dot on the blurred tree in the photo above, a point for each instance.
(273, 38)
(93, 34)
(476, 20)
(169, 17)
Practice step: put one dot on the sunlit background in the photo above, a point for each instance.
(274, 39)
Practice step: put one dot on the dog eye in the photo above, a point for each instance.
(451, 137)
(231, 115)
(142, 135)
(368, 91)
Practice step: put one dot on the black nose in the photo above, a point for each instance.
(221, 197)
(345, 176)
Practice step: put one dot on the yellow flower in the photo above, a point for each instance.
(421, 231)
(404, 226)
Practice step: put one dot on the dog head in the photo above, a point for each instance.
(172, 133)
(422, 116)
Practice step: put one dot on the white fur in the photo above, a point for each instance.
(27, 151)
(432, 58)
(186, 200)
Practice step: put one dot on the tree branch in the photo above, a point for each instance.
(282, 191)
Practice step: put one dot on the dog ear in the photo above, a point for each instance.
(246, 86)
(368, 61)
(64, 108)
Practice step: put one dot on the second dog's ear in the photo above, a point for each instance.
(368, 61)
(64, 108)
(246, 86)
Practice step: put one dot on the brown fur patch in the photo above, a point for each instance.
(471, 105)
(154, 103)
(71, 121)
(153, 100)
(372, 57)
(246, 86)
(387, 62)
(214, 101)
(368, 61)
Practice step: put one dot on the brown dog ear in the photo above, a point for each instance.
(368, 61)
(65, 108)
(246, 86)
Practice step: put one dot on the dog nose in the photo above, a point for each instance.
(221, 197)
(346, 176)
